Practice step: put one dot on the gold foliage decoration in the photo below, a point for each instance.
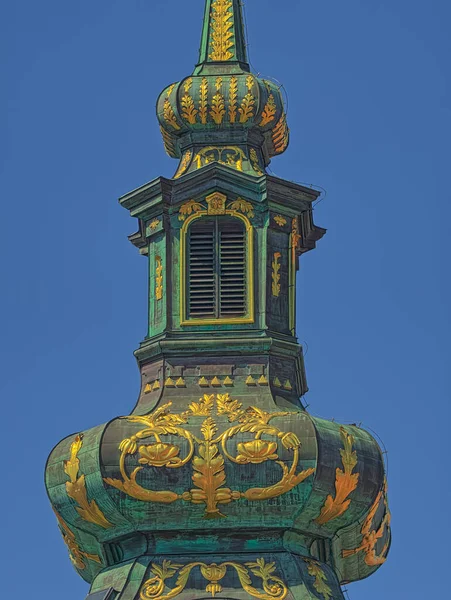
(280, 135)
(168, 111)
(232, 156)
(158, 278)
(76, 488)
(209, 453)
(272, 586)
(184, 163)
(269, 111)
(254, 160)
(221, 34)
(371, 536)
(188, 208)
(217, 111)
(345, 482)
(204, 407)
(246, 109)
(203, 100)
(240, 205)
(76, 554)
(314, 570)
(281, 221)
(233, 94)
(275, 287)
(189, 111)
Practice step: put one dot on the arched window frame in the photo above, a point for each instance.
(250, 304)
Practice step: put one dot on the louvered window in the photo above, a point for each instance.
(217, 269)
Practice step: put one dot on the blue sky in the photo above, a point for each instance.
(370, 116)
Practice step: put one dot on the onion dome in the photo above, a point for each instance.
(222, 112)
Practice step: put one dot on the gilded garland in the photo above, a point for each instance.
(208, 452)
(273, 587)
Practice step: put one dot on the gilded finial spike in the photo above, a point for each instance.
(223, 38)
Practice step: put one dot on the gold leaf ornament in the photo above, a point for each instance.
(221, 34)
(281, 221)
(203, 99)
(372, 536)
(169, 114)
(255, 162)
(217, 110)
(243, 206)
(345, 482)
(158, 278)
(76, 488)
(184, 163)
(76, 554)
(188, 208)
(246, 109)
(314, 570)
(233, 95)
(275, 286)
(269, 111)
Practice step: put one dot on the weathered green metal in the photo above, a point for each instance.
(219, 483)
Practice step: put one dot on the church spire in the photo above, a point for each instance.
(223, 39)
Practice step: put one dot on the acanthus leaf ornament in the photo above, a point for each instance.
(372, 536)
(233, 94)
(76, 554)
(189, 111)
(188, 208)
(281, 221)
(158, 278)
(269, 111)
(203, 100)
(76, 488)
(240, 205)
(209, 453)
(275, 286)
(273, 587)
(184, 163)
(314, 570)
(345, 483)
(222, 35)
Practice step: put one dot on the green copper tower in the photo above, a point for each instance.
(219, 483)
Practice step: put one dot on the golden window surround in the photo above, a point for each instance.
(249, 318)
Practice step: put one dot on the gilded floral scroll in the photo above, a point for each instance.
(208, 453)
(156, 588)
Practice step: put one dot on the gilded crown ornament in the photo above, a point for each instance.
(219, 483)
